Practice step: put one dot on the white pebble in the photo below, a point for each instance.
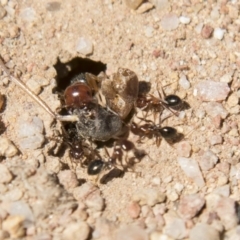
(5, 174)
(21, 208)
(30, 132)
(28, 14)
(184, 20)
(216, 109)
(7, 149)
(219, 33)
(34, 86)
(176, 228)
(149, 31)
(184, 83)
(222, 190)
(191, 169)
(172, 195)
(170, 22)
(198, 28)
(207, 160)
(211, 90)
(178, 187)
(84, 46)
(203, 231)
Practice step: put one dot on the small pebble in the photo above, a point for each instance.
(84, 46)
(91, 195)
(211, 90)
(199, 28)
(176, 228)
(190, 205)
(156, 181)
(68, 179)
(226, 210)
(184, 83)
(172, 195)
(78, 230)
(170, 22)
(28, 15)
(133, 4)
(13, 195)
(184, 149)
(14, 226)
(184, 20)
(207, 160)
(227, 78)
(21, 208)
(130, 232)
(6, 176)
(222, 180)
(134, 210)
(149, 196)
(34, 86)
(206, 31)
(218, 33)
(233, 100)
(191, 169)
(53, 165)
(53, 6)
(145, 7)
(30, 132)
(222, 190)
(149, 31)
(216, 139)
(214, 109)
(178, 187)
(203, 231)
(7, 148)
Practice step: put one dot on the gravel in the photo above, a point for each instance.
(186, 190)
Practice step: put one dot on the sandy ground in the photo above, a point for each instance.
(35, 35)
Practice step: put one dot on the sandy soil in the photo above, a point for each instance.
(35, 35)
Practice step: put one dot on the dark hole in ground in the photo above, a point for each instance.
(66, 71)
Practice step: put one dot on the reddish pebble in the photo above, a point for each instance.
(206, 31)
(134, 210)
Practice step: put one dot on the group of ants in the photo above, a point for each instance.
(90, 120)
(80, 96)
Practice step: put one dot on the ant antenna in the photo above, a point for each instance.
(18, 82)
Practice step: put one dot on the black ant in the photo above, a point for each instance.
(116, 161)
(151, 130)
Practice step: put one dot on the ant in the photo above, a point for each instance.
(116, 161)
(150, 130)
(171, 102)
